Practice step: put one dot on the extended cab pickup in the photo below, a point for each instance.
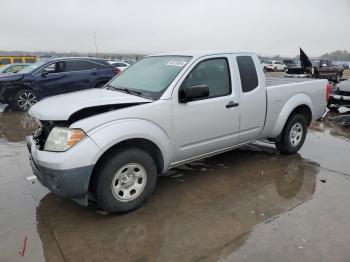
(109, 145)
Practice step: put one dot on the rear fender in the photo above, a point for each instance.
(292, 103)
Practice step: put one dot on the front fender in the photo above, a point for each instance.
(110, 134)
(289, 106)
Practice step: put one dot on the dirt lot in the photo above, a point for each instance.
(250, 204)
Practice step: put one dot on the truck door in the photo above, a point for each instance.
(208, 124)
(252, 99)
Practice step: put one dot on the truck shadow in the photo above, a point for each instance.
(196, 210)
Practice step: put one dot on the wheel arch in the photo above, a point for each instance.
(301, 104)
(140, 143)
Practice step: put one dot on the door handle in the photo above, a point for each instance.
(231, 104)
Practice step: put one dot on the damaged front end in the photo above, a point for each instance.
(40, 136)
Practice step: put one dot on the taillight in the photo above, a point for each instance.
(328, 90)
(116, 71)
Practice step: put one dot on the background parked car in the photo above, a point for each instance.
(120, 65)
(12, 68)
(291, 62)
(276, 66)
(53, 77)
(264, 63)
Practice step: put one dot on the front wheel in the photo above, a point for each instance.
(293, 135)
(24, 100)
(125, 180)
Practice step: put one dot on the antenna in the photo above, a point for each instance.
(95, 44)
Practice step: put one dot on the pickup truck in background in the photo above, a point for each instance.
(109, 145)
(316, 68)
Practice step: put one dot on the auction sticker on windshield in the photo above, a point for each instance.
(179, 63)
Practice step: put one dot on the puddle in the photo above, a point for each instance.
(196, 210)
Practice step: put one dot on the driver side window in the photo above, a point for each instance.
(56, 67)
(213, 73)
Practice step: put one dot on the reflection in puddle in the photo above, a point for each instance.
(15, 126)
(196, 210)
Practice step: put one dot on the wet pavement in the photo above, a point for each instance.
(250, 204)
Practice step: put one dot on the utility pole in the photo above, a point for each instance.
(95, 44)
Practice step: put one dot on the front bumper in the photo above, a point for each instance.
(52, 171)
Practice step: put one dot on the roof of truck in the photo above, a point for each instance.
(201, 53)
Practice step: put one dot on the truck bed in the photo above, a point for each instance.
(284, 93)
(275, 81)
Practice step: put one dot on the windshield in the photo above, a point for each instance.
(3, 69)
(32, 67)
(150, 76)
(315, 62)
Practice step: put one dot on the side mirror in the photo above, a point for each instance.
(193, 92)
(44, 73)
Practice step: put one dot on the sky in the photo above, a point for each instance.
(266, 27)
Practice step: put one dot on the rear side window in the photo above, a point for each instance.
(247, 72)
(214, 73)
(79, 65)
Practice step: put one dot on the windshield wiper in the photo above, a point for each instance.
(129, 91)
(123, 89)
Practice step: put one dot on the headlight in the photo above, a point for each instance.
(61, 139)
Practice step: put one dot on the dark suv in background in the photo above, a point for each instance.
(53, 77)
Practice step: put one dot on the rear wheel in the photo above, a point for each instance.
(275, 69)
(24, 100)
(293, 135)
(125, 180)
(338, 78)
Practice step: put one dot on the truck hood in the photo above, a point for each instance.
(93, 101)
(304, 60)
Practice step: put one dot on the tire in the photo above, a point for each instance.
(293, 135)
(337, 78)
(125, 180)
(275, 69)
(24, 100)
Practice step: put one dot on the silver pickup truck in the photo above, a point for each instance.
(109, 145)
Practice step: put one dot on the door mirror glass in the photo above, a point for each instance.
(193, 92)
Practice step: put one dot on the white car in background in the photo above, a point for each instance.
(264, 64)
(120, 65)
(275, 66)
